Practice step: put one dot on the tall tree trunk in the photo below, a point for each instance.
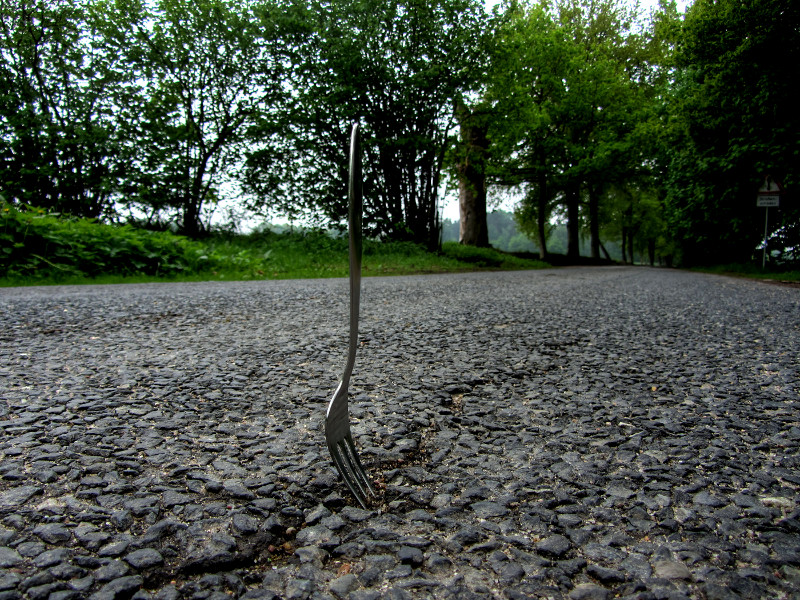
(625, 244)
(191, 219)
(473, 229)
(471, 169)
(605, 252)
(594, 221)
(573, 198)
(542, 201)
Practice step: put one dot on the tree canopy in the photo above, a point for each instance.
(734, 101)
(650, 130)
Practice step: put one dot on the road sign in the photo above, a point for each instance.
(768, 201)
(770, 186)
(769, 196)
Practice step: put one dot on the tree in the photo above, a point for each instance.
(396, 66)
(571, 83)
(735, 110)
(525, 89)
(606, 102)
(206, 72)
(58, 135)
(471, 172)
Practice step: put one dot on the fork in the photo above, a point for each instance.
(337, 420)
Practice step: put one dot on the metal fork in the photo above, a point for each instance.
(337, 420)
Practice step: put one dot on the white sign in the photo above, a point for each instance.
(766, 201)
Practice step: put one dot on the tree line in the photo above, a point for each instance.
(652, 130)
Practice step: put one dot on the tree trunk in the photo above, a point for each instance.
(471, 169)
(605, 252)
(573, 222)
(191, 219)
(630, 244)
(625, 244)
(542, 201)
(473, 230)
(594, 221)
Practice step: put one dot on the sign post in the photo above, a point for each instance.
(769, 195)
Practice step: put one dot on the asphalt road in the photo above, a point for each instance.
(571, 433)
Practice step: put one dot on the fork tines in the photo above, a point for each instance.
(345, 456)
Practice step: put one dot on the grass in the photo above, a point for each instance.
(37, 248)
(753, 271)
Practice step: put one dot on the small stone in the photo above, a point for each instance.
(511, 572)
(604, 575)
(316, 535)
(66, 570)
(717, 592)
(468, 535)
(122, 519)
(620, 491)
(298, 589)
(555, 545)
(124, 587)
(786, 504)
(436, 562)
(9, 557)
(671, 569)
(82, 584)
(705, 499)
(487, 509)
(342, 586)
(410, 556)
(6, 536)
(16, 497)
(588, 591)
(52, 533)
(354, 514)
(315, 515)
(144, 558)
(170, 592)
(334, 522)
(349, 550)
(245, 524)
(114, 569)
(50, 558)
(334, 500)
(172, 498)
(237, 489)
(114, 548)
(790, 573)
(311, 555)
(9, 580)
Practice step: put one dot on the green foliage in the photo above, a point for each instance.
(396, 66)
(575, 78)
(753, 271)
(736, 121)
(654, 133)
(488, 258)
(58, 88)
(208, 70)
(37, 246)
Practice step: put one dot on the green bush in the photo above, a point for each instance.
(38, 245)
(488, 258)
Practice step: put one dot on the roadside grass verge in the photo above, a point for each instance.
(37, 248)
(753, 271)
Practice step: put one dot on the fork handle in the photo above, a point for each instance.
(354, 197)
